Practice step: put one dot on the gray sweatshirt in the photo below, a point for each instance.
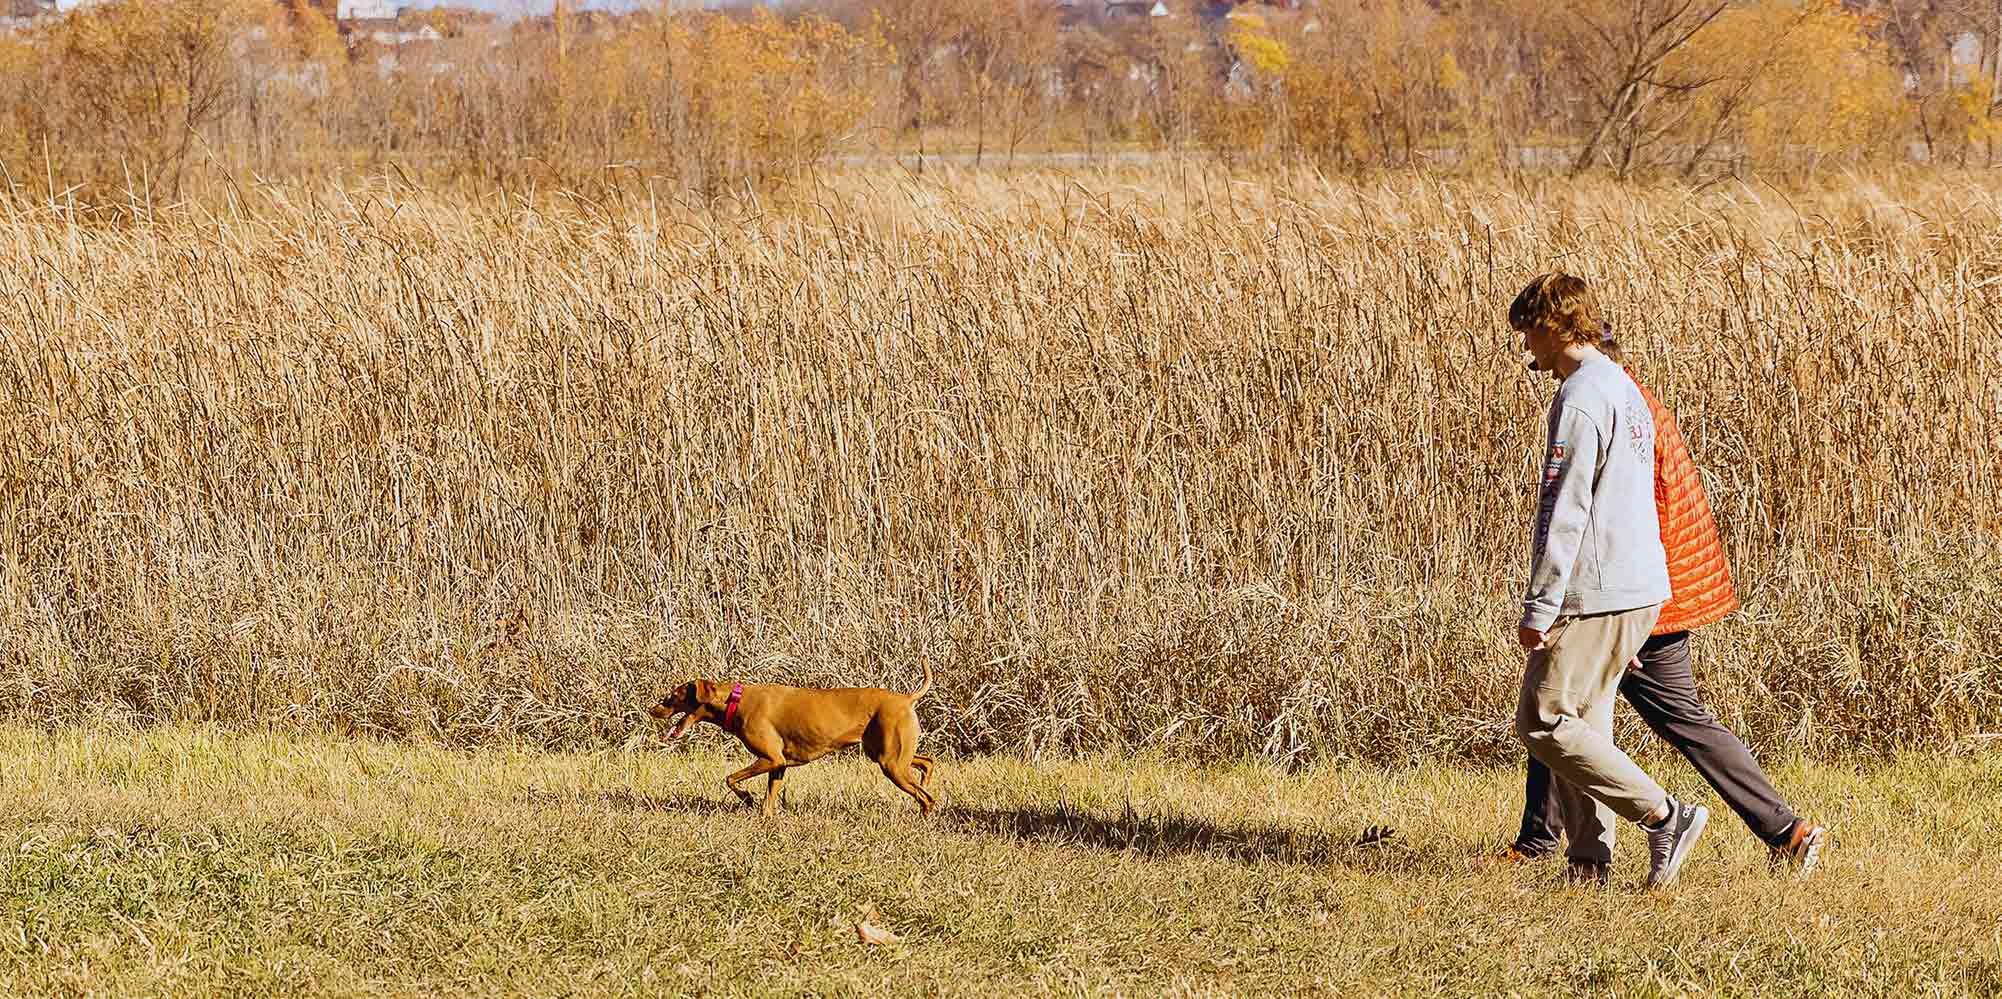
(1597, 546)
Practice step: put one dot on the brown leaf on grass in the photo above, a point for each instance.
(875, 936)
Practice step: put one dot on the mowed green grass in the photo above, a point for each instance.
(179, 862)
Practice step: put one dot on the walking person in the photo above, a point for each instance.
(1597, 581)
(1660, 684)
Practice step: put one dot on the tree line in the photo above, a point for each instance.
(135, 97)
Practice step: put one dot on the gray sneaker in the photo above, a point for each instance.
(1669, 846)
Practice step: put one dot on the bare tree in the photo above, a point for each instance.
(156, 76)
(926, 35)
(1620, 48)
(1002, 53)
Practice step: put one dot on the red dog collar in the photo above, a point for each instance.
(730, 707)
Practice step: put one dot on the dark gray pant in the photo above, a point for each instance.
(1663, 692)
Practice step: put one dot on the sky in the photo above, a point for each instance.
(504, 6)
(523, 6)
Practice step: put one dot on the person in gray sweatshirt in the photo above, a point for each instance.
(1597, 580)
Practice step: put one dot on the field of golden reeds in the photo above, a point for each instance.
(1232, 465)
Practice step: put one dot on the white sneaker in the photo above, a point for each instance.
(1802, 851)
(1669, 845)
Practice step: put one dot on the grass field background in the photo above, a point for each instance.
(1226, 464)
(346, 533)
(191, 861)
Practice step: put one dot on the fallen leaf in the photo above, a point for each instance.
(875, 936)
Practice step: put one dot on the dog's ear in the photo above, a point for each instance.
(703, 691)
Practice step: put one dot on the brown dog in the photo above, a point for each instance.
(790, 726)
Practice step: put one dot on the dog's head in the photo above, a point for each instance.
(694, 701)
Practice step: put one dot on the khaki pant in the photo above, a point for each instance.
(1663, 692)
(1565, 716)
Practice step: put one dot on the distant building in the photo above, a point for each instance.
(391, 32)
(1075, 13)
(1965, 59)
(18, 15)
(1967, 49)
(368, 10)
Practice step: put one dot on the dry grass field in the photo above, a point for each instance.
(1226, 465)
(176, 861)
(346, 532)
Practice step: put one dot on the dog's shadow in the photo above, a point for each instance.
(627, 800)
(1376, 848)
(1132, 831)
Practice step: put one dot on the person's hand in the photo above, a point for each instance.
(1530, 638)
(1634, 664)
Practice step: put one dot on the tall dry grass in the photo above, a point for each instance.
(1224, 463)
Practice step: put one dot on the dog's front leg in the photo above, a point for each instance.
(735, 780)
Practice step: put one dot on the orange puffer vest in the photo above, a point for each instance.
(1698, 578)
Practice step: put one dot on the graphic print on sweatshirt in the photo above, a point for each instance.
(1640, 429)
(1553, 469)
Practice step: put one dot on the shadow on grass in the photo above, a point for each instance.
(1376, 848)
(623, 800)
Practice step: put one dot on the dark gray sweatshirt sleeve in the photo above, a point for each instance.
(1563, 512)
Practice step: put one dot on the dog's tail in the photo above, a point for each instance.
(924, 688)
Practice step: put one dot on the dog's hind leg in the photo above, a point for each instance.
(901, 776)
(922, 764)
(894, 748)
(774, 787)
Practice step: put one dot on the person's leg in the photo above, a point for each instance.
(1567, 686)
(1597, 850)
(1538, 834)
(1663, 692)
